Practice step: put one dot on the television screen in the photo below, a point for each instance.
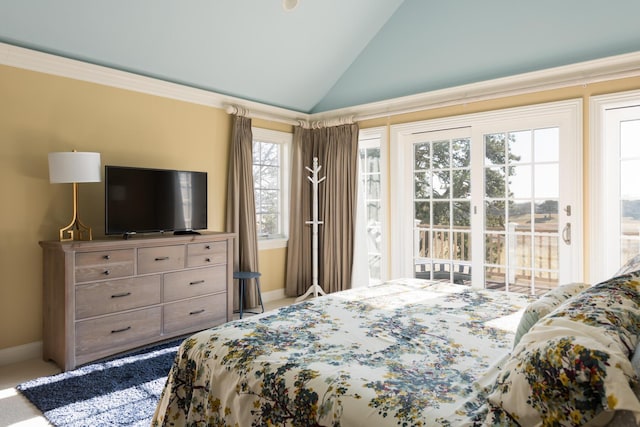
(140, 200)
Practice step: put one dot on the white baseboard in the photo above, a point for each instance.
(273, 295)
(20, 353)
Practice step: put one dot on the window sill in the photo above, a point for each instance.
(265, 244)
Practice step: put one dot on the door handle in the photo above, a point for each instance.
(566, 233)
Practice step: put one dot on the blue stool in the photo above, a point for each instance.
(242, 277)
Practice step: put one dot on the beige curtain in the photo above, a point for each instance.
(337, 151)
(241, 207)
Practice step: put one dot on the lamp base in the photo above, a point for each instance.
(75, 231)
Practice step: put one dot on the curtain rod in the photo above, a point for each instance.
(240, 110)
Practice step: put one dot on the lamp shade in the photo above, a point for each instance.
(74, 166)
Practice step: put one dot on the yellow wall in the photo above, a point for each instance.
(40, 113)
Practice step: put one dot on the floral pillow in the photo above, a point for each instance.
(545, 305)
(573, 367)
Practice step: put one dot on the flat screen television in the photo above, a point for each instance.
(142, 200)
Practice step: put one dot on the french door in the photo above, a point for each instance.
(615, 207)
(490, 200)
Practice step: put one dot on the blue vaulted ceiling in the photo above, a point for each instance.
(325, 54)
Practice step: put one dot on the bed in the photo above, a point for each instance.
(414, 353)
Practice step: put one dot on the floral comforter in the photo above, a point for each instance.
(404, 353)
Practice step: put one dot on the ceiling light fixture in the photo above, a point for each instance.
(289, 4)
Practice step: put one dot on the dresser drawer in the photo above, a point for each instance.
(200, 313)
(208, 253)
(104, 264)
(191, 283)
(116, 331)
(161, 258)
(111, 296)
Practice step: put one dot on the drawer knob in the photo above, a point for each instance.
(107, 257)
(196, 312)
(208, 247)
(207, 259)
(115, 331)
(124, 294)
(162, 258)
(196, 282)
(107, 272)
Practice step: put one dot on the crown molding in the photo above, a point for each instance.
(584, 73)
(580, 74)
(33, 60)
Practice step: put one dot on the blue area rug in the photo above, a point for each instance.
(122, 391)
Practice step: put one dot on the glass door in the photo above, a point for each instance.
(522, 228)
(442, 206)
(492, 200)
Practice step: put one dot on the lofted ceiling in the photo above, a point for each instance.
(324, 54)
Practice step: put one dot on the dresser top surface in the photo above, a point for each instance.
(137, 241)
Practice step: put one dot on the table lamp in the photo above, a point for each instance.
(74, 167)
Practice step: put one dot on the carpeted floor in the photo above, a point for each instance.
(122, 391)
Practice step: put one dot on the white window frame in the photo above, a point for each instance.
(604, 258)
(284, 140)
(379, 133)
(566, 114)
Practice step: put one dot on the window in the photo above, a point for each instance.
(483, 202)
(615, 204)
(371, 222)
(271, 166)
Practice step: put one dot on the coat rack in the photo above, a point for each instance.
(314, 289)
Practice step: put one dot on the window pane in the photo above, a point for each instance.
(494, 247)
(546, 216)
(422, 212)
(495, 215)
(270, 201)
(547, 184)
(373, 187)
(520, 215)
(422, 188)
(441, 184)
(461, 244)
(630, 139)
(462, 214)
(441, 214)
(547, 145)
(461, 153)
(520, 182)
(440, 245)
(373, 160)
(421, 156)
(629, 174)
(269, 224)
(440, 155)
(494, 182)
(494, 149)
(546, 250)
(461, 183)
(520, 147)
(269, 154)
(373, 212)
(269, 177)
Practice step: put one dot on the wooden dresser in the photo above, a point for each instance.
(104, 297)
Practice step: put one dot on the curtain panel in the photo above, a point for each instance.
(337, 151)
(241, 207)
